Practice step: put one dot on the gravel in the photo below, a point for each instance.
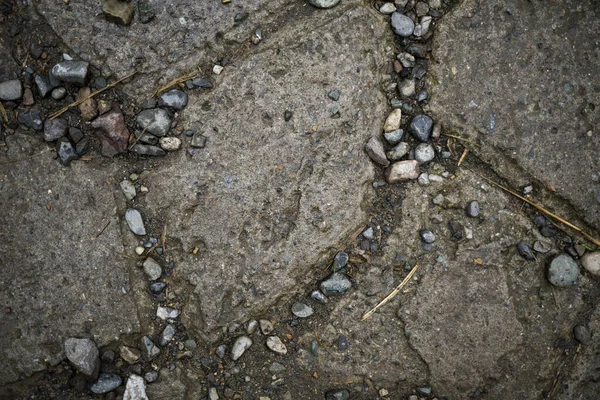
(131, 355)
(149, 349)
(167, 335)
(406, 59)
(374, 149)
(407, 88)
(170, 143)
(165, 313)
(525, 251)
(240, 345)
(156, 121)
(342, 343)
(84, 355)
(151, 376)
(387, 8)
(198, 141)
(176, 99)
(424, 153)
(402, 25)
(402, 171)
(202, 83)
(148, 150)
(423, 179)
(301, 310)
(394, 137)
(266, 326)
(157, 287)
(11, 90)
(472, 209)
(31, 119)
(276, 368)
(55, 129)
(152, 269)
(106, 383)
(135, 222)
(542, 246)
(276, 345)
(582, 334)
(71, 71)
(591, 262)
(66, 152)
(427, 236)
(420, 127)
(128, 189)
(563, 271)
(135, 389)
(324, 3)
(319, 297)
(337, 283)
(112, 131)
(145, 11)
(393, 120)
(59, 93)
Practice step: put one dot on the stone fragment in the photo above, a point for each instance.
(563, 271)
(135, 389)
(591, 262)
(198, 141)
(147, 150)
(84, 355)
(202, 83)
(525, 251)
(542, 246)
(89, 108)
(420, 127)
(387, 8)
(582, 334)
(11, 90)
(402, 171)
(423, 179)
(240, 345)
(337, 283)
(176, 99)
(151, 376)
(406, 59)
(149, 349)
(135, 222)
(424, 153)
(131, 355)
(340, 260)
(82, 147)
(54, 129)
(66, 152)
(393, 120)
(394, 137)
(251, 327)
(145, 11)
(427, 236)
(71, 71)
(28, 97)
(170, 143)
(319, 297)
(324, 3)
(152, 269)
(337, 394)
(31, 118)
(266, 326)
(59, 93)
(342, 343)
(276, 345)
(157, 287)
(472, 209)
(111, 130)
(301, 310)
(217, 69)
(145, 137)
(156, 121)
(106, 383)
(117, 11)
(167, 335)
(128, 189)
(374, 149)
(402, 25)
(165, 313)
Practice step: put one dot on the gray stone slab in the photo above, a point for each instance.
(268, 200)
(58, 279)
(528, 93)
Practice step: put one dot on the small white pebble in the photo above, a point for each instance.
(217, 69)
(143, 189)
(139, 250)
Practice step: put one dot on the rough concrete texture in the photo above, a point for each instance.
(58, 278)
(267, 200)
(528, 93)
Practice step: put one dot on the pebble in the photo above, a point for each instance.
(221, 350)
(135, 222)
(11, 90)
(301, 310)
(319, 297)
(392, 122)
(334, 95)
(66, 152)
(435, 3)
(337, 283)
(407, 88)
(82, 146)
(135, 389)
(340, 260)
(374, 149)
(423, 179)
(112, 132)
(71, 71)
(420, 127)
(399, 151)
(84, 355)
(59, 93)
(406, 59)
(276, 345)
(324, 3)
(422, 97)
(266, 326)
(424, 153)
(422, 27)
(54, 129)
(387, 8)
(202, 83)
(106, 383)
(167, 335)
(28, 97)
(276, 368)
(131, 355)
(402, 171)
(119, 12)
(128, 189)
(369, 234)
(456, 229)
(170, 143)
(435, 178)
(151, 376)
(152, 269)
(342, 343)
(591, 262)
(542, 246)
(147, 138)
(240, 345)
(402, 25)
(217, 69)
(198, 140)
(394, 137)
(149, 349)
(421, 8)
(165, 313)
(424, 390)
(155, 121)
(251, 327)
(145, 11)
(472, 208)
(147, 150)
(212, 394)
(337, 394)
(89, 108)
(525, 251)
(582, 334)
(176, 99)
(563, 271)
(31, 119)
(427, 236)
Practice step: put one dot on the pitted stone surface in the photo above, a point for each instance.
(258, 245)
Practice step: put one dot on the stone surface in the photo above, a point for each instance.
(152, 269)
(66, 152)
(374, 149)
(420, 127)
(83, 354)
(266, 326)
(302, 310)
(337, 283)
(324, 3)
(135, 222)
(478, 96)
(563, 271)
(135, 389)
(89, 108)
(424, 152)
(591, 262)
(106, 383)
(240, 345)
(176, 99)
(402, 25)
(393, 120)
(276, 345)
(112, 131)
(118, 11)
(11, 90)
(155, 121)
(54, 129)
(402, 171)
(71, 71)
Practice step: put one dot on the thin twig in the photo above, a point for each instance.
(392, 294)
(3, 112)
(123, 254)
(78, 102)
(542, 209)
(163, 239)
(28, 157)
(176, 81)
(102, 231)
(462, 158)
(459, 138)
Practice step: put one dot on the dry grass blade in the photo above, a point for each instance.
(392, 294)
(78, 102)
(542, 209)
(3, 112)
(175, 81)
(462, 158)
(459, 138)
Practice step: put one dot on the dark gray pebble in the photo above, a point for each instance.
(106, 383)
(427, 236)
(420, 127)
(525, 250)
(342, 343)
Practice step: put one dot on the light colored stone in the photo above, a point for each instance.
(152, 269)
(406, 59)
(407, 88)
(165, 313)
(387, 8)
(276, 345)
(135, 222)
(128, 189)
(217, 69)
(402, 171)
(266, 326)
(393, 120)
(324, 3)
(135, 389)
(84, 355)
(374, 149)
(424, 153)
(240, 345)
(170, 143)
(591, 262)
(130, 354)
